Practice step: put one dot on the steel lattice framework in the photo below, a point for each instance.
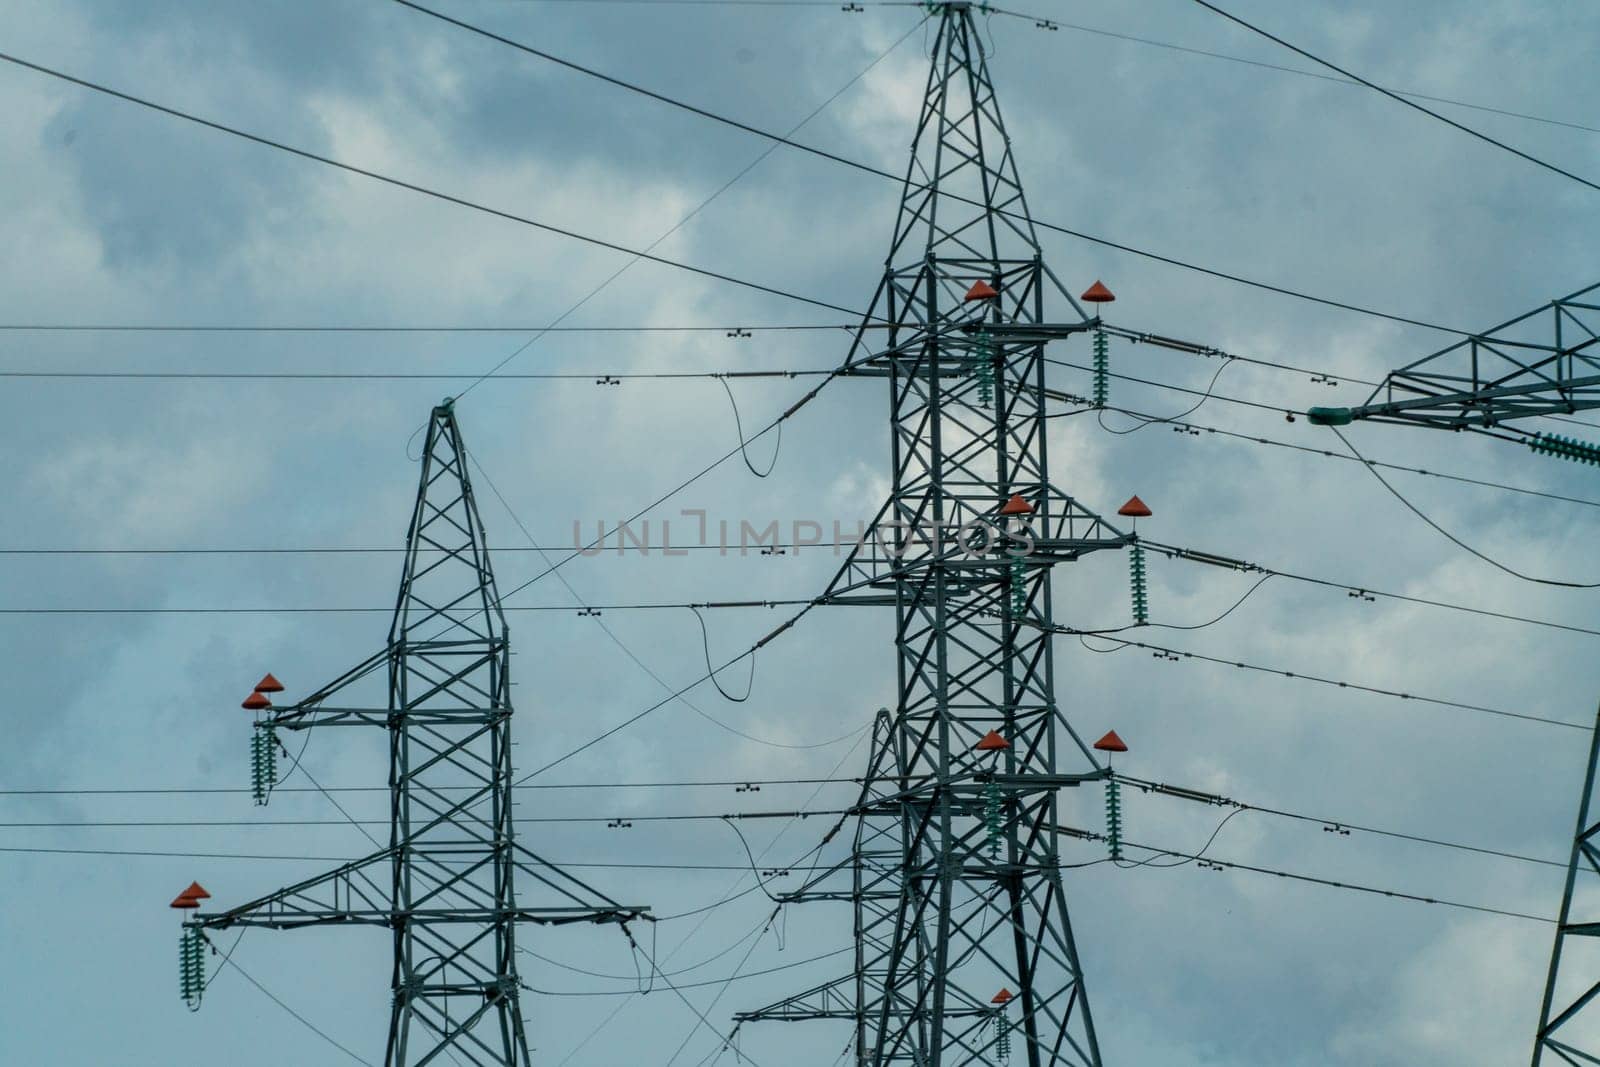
(1545, 362)
(955, 877)
(445, 883)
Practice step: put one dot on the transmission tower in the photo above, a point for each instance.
(445, 883)
(962, 933)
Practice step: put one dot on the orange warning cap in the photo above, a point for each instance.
(992, 742)
(184, 900)
(1016, 506)
(256, 702)
(1136, 508)
(197, 891)
(1097, 293)
(981, 290)
(1001, 997)
(269, 684)
(1111, 743)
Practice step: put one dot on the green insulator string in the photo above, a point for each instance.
(1136, 579)
(1114, 817)
(191, 967)
(1019, 588)
(983, 369)
(1549, 444)
(263, 762)
(991, 817)
(1002, 1037)
(1102, 368)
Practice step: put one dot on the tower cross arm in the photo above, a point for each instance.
(1544, 362)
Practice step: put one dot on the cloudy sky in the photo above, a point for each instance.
(118, 215)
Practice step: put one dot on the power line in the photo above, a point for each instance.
(589, 610)
(1336, 825)
(523, 220)
(1186, 49)
(1328, 454)
(1179, 423)
(228, 960)
(1319, 375)
(598, 377)
(221, 790)
(423, 190)
(1535, 160)
(1393, 894)
(899, 179)
(732, 330)
(385, 610)
(681, 985)
(1352, 589)
(164, 854)
(674, 695)
(620, 821)
(1181, 654)
(1452, 538)
(684, 221)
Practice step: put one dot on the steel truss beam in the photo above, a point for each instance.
(445, 884)
(955, 874)
(1546, 362)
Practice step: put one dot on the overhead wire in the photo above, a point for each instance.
(628, 652)
(1183, 654)
(738, 426)
(1188, 50)
(1202, 797)
(1321, 375)
(1393, 894)
(1452, 538)
(686, 985)
(675, 227)
(899, 179)
(318, 376)
(625, 818)
(1213, 560)
(704, 605)
(1503, 146)
(191, 854)
(1278, 409)
(704, 913)
(729, 329)
(301, 1019)
(180, 790)
(415, 187)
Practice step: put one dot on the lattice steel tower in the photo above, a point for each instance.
(445, 883)
(955, 877)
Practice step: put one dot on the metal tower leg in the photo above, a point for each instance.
(1585, 856)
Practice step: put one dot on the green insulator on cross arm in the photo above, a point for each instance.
(1549, 444)
(991, 817)
(191, 967)
(269, 750)
(1002, 1040)
(258, 787)
(1136, 578)
(983, 369)
(1330, 416)
(1102, 368)
(1114, 817)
